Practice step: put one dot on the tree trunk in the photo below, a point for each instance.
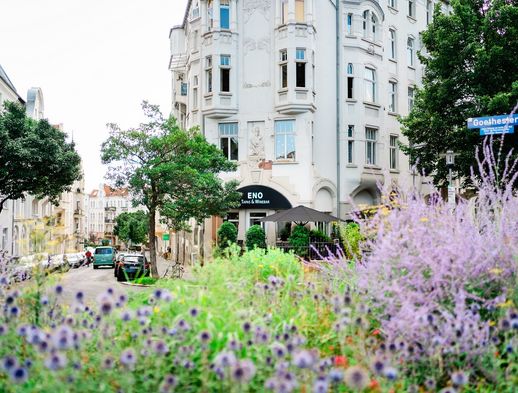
(152, 246)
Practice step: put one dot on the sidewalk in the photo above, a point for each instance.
(163, 264)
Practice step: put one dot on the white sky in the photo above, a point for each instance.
(95, 61)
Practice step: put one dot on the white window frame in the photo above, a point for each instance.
(287, 134)
(222, 5)
(411, 8)
(284, 12)
(349, 23)
(393, 44)
(283, 65)
(392, 96)
(228, 133)
(350, 144)
(429, 11)
(411, 97)
(350, 81)
(392, 4)
(393, 152)
(370, 84)
(410, 50)
(208, 75)
(300, 60)
(371, 146)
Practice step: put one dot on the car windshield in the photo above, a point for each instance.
(134, 259)
(103, 251)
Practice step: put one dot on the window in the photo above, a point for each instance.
(410, 51)
(284, 68)
(392, 44)
(255, 219)
(393, 152)
(224, 14)
(299, 11)
(195, 11)
(365, 20)
(210, 15)
(350, 144)
(4, 237)
(228, 140)
(195, 92)
(429, 12)
(370, 25)
(183, 89)
(349, 23)
(350, 81)
(374, 25)
(233, 217)
(225, 73)
(371, 136)
(392, 96)
(370, 85)
(411, 8)
(208, 73)
(410, 98)
(392, 3)
(284, 12)
(285, 140)
(300, 67)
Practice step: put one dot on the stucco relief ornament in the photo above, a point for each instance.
(256, 144)
(250, 6)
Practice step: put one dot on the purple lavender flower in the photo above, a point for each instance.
(55, 361)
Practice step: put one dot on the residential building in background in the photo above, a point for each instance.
(303, 96)
(103, 206)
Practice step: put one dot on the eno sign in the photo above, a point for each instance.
(502, 124)
(262, 197)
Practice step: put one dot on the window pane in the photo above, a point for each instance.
(233, 149)
(225, 60)
(224, 15)
(350, 90)
(228, 129)
(350, 146)
(284, 11)
(225, 80)
(224, 146)
(284, 75)
(299, 11)
(301, 74)
(349, 23)
(300, 54)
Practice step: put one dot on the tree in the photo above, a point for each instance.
(227, 234)
(132, 227)
(170, 171)
(469, 72)
(35, 157)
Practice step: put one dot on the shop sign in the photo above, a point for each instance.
(262, 197)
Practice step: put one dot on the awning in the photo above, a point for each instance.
(300, 214)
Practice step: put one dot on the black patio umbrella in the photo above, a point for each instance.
(300, 214)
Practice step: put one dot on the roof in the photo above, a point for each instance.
(111, 192)
(300, 214)
(7, 81)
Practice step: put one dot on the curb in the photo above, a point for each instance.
(130, 284)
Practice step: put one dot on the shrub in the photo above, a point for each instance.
(255, 237)
(285, 232)
(317, 236)
(299, 240)
(351, 238)
(227, 234)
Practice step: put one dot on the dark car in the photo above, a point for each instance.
(132, 266)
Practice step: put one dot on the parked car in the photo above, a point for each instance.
(75, 260)
(104, 256)
(118, 261)
(132, 266)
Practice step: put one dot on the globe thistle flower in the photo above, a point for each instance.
(205, 337)
(19, 375)
(448, 390)
(459, 378)
(225, 359)
(128, 358)
(9, 363)
(356, 377)
(55, 361)
(279, 350)
(44, 300)
(161, 347)
(80, 296)
(183, 325)
(168, 383)
(108, 362)
(14, 311)
(320, 385)
(247, 326)
(234, 345)
(303, 359)
(58, 289)
(390, 373)
(194, 312)
(377, 366)
(126, 315)
(335, 375)
(430, 384)
(243, 371)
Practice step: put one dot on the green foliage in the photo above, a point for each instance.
(132, 227)
(227, 234)
(468, 73)
(285, 232)
(145, 280)
(105, 242)
(255, 237)
(35, 157)
(299, 240)
(317, 236)
(170, 171)
(351, 238)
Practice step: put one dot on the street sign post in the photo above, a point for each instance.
(165, 236)
(490, 125)
(451, 197)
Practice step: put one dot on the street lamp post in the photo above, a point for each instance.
(450, 162)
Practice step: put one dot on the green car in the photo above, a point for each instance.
(104, 256)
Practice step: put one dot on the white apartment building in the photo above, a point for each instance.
(303, 94)
(103, 206)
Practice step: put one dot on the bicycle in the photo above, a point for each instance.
(177, 270)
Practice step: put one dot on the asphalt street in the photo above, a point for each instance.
(91, 282)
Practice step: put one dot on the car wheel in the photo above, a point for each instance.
(95, 267)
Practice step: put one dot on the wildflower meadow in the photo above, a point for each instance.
(428, 305)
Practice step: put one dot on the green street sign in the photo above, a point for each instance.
(165, 236)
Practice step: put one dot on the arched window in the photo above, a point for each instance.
(374, 25)
(410, 51)
(365, 23)
(392, 44)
